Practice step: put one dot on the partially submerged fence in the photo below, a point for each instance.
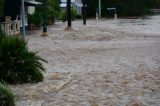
(10, 27)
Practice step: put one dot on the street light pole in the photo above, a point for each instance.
(44, 20)
(23, 18)
(99, 8)
(69, 12)
(84, 12)
(44, 34)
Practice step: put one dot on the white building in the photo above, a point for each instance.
(11, 22)
(76, 4)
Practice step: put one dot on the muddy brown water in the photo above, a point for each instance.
(105, 63)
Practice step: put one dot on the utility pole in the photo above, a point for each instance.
(69, 12)
(23, 19)
(99, 8)
(84, 12)
(44, 34)
(44, 18)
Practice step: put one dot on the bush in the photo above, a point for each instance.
(36, 19)
(2, 35)
(17, 63)
(6, 96)
(1, 7)
(74, 15)
(63, 16)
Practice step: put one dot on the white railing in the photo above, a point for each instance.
(11, 28)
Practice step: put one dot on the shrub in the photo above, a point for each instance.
(2, 35)
(62, 16)
(17, 63)
(1, 7)
(74, 15)
(36, 19)
(6, 96)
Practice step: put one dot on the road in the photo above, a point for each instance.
(105, 63)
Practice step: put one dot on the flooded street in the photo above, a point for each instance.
(149, 24)
(105, 63)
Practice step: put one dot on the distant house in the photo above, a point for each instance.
(76, 4)
(11, 21)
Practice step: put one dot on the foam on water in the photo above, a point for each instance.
(150, 24)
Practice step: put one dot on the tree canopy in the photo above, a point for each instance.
(124, 7)
(50, 9)
(1, 7)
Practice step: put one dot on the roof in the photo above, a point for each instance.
(64, 1)
(32, 3)
(74, 2)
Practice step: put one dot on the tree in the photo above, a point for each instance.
(124, 7)
(51, 9)
(153, 3)
(47, 12)
(1, 7)
(91, 7)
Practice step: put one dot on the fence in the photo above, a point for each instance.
(11, 27)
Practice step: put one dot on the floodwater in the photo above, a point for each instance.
(105, 63)
(149, 24)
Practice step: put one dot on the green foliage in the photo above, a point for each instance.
(92, 6)
(124, 7)
(2, 35)
(51, 10)
(74, 13)
(1, 7)
(36, 18)
(63, 15)
(6, 96)
(17, 63)
(152, 3)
